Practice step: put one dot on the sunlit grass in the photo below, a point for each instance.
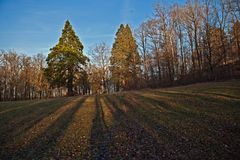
(44, 123)
(75, 142)
(201, 120)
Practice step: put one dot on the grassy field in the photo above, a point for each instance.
(200, 121)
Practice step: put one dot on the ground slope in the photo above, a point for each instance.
(200, 121)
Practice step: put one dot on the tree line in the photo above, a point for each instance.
(21, 76)
(194, 42)
(179, 44)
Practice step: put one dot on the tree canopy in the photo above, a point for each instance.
(125, 59)
(66, 59)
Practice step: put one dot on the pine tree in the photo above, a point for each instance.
(133, 59)
(65, 60)
(125, 59)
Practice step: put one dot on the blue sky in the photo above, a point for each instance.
(34, 26)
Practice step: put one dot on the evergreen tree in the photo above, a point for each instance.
(125, 60)
(65, 60)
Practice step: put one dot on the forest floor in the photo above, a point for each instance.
(200, 121)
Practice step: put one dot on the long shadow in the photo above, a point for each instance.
(173, 112)
(100, 137)
(184, 110)
(29, 109)
(167, 140)
(26, 120)
(202, 96)
(177, 142)
(223, 95)
(161, 104)
(16, 106)
(143, 116)
(45, 144)
(137, 141)
(6, 107)
(183, 142)
(197, 104)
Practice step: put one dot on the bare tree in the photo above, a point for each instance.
(193, 18)
(100, 54)
(40, 83)
(221, 12)
(177, 14)
(142, 39)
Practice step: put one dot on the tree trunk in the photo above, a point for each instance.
(238, 47)
(70, 82)
(70, 86)
(117, 87)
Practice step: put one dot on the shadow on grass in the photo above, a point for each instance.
(176, 113)
(44, 145)
(164, 107)
(131, 139)
(209, 130)
(222, 95)
(24, 112)
(14, 124)
(209, 97)
(202, 105)
(144, 116)
(100, 139)
(6, 107)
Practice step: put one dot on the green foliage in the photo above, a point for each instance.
(65, 60)
(125, 59)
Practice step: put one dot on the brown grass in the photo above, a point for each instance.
(199, 121)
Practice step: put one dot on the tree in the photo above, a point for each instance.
(193, 19)
(213, 47)
(222, 14)
(1, 75)
(100, 70)
(167, 42)
(40, 82)
(125, 60)
(155, 37)
(177, 14)
(234, 8)
(95, 79)
(141, 35)
(26, 76)
(65, 60)
(236, 37)
(21, 76)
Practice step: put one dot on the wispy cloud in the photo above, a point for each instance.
(127, 11)
(44, 12)
(98, 36)
(32, 26)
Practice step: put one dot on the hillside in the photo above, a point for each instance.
(200, 121)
